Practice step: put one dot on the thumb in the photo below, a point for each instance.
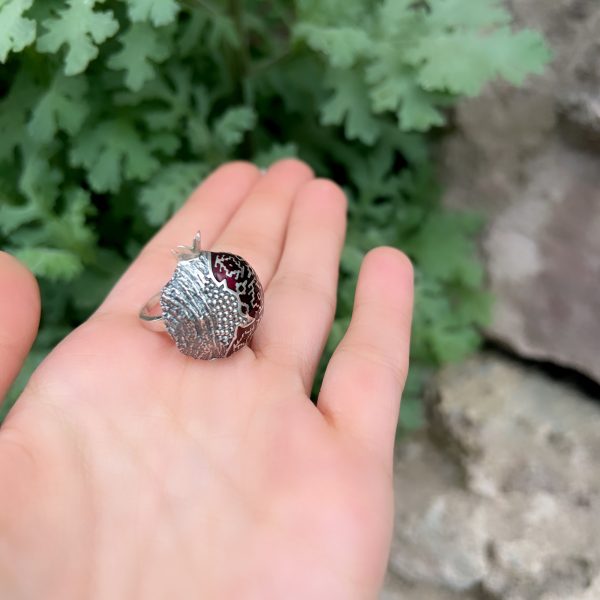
(19, 318)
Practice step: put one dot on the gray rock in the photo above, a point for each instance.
(524, 158)
(398, 589)
(500, 498)
(573, 27)
(580, 98)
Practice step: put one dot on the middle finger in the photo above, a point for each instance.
(257, 231)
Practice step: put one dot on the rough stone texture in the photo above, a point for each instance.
(398, 589)
(500, 499)
(530, 160)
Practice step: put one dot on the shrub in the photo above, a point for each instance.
(112, 112)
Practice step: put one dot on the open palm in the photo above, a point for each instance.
(128, 470)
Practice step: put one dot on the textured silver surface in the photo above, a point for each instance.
(201, 314)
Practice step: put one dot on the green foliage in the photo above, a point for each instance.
(16, 31)
(158, 12)
(413, 58)
(111, 152)
(113, 110)
(81, 29)
(142, 45)
(168, 189)
(61, 107)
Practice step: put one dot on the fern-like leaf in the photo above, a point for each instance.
(141, 47)
(16, 30)
(169, 189)
(349, 105)
(233, 124)
(81, 29)
(157, 12)
(63, 106)
(111, 152)
(51, 263)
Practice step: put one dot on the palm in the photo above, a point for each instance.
(132, 471)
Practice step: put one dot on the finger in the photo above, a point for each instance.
(302, 295)
(258, 229)
(208, 209)
(363, 383)
(19, 318)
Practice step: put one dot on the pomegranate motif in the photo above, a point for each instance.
(212, 304)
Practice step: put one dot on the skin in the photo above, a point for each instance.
(128, 470)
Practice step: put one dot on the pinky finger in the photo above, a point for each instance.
(361, 391)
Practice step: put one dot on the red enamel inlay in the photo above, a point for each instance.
(240, 278)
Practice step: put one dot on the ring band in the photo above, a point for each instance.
(151, 314)
(210, 307)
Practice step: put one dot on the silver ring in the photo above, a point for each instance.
(210, 307)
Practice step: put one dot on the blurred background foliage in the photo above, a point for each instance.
(112, 111)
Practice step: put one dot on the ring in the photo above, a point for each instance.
(211, 306)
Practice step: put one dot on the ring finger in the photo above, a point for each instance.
(257, 231)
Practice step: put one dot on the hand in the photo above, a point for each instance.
(128, 470)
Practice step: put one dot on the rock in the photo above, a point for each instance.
(500, 497)
(397, 589)
(543, 254)
(580, 99)
(525, 159)
(573, 28)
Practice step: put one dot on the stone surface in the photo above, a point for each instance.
(530, 160)
(398, 589)
(499, 499)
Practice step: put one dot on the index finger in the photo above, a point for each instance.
(209, 209)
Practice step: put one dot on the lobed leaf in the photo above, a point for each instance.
(14, 112)
(349, 105)
(477, 59)
(233, 124)
(419, 111)
(157, 12)
(14, 216)
(51, 263)
(343, 46)
(141, 46)
(444, 248)
(169, 189)
(81, 29)
(274, 153)
(70, 230)
(111, 152)
(39, 178)
(480, 15)
(63, 107)
(16, 30)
